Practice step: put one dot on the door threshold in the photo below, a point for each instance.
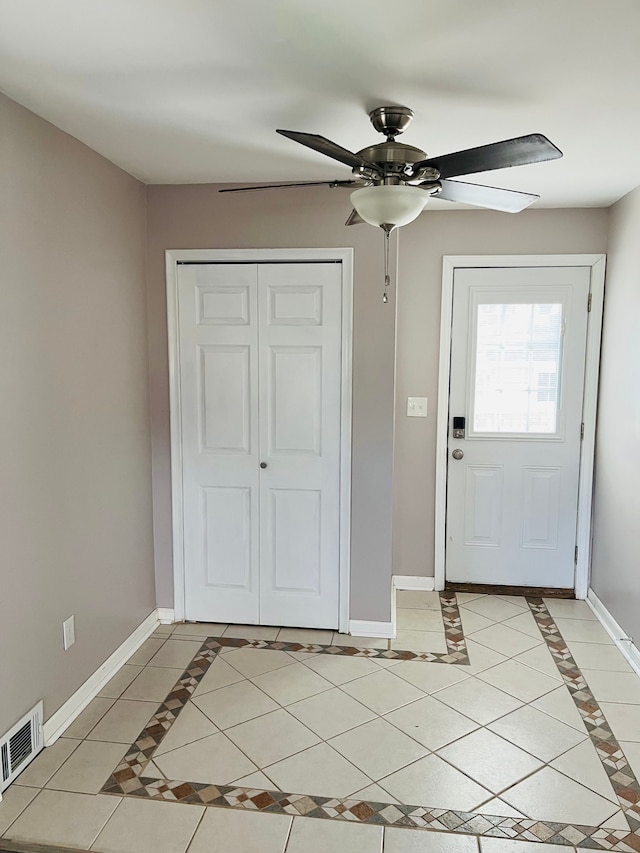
(498, 589)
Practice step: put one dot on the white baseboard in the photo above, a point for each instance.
(413, 582)
(64, 716)
(625, 643)
(166, 615)
(361, 628)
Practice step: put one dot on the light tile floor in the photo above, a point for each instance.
(499, 737)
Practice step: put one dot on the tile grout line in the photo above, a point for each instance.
(126, 779)
(383, 717)
(371, 781)
(281, 708)
(334, 687)
(16, 818)
(284, 708)
(97, 835)
(288, 838)
(193, 835)
(480, 727)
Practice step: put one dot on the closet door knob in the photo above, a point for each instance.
(263, 464)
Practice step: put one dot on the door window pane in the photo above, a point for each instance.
(518, 356)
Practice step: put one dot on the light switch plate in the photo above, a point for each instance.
(68, 632)
(416, 407)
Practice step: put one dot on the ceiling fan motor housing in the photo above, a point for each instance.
(391, 120)
(393, 161)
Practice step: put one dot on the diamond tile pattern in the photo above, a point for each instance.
(272, 737)
(382, 691)
(327, 721)
(583, 765)
(496, 608)
(500, 637)
(318, 770)
(235, 704)
(478, 700)
(431, 723)
(490, 760)
(552, 795)
(331, 713)
(192, 725)
(538, 733)
(432, 780)
(378, 748)
(519, 680)
(291, 683)
(212, 757)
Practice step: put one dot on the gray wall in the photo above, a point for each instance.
(393, 480)
(615, 563)
(422, 245)
(75, 498)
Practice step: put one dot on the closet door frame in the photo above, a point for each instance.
(175, 257)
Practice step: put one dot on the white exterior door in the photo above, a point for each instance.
(517, 372)
(260, 380)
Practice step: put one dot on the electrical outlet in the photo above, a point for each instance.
(416, 407)
(68, 632)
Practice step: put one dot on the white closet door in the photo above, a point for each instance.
(260, 382)
(218, 321)
(300, 370)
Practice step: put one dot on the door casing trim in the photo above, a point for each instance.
(344, 256)
(596, 263)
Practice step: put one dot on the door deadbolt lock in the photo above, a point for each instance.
(457, 453)
(458, 427)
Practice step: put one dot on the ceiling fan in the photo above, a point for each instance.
(394, 181)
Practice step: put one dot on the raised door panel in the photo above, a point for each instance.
(227, 546)
(540, 507)
(223, 305)
(293, 305)
(483, 505)
(295, 536)
(295, 400)
(225, 399)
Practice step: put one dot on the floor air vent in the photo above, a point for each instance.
(20, 745)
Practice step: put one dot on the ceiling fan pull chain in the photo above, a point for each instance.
(387, 280)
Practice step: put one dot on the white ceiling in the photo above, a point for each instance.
(190, 91)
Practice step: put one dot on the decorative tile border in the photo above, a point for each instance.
(456, 646)
(617, 768)
(128, 778)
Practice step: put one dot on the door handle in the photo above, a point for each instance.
(263, 464)
(457, 453)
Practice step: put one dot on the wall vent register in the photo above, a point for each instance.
(20, 745)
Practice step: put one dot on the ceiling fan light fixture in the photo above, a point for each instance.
(389, 205)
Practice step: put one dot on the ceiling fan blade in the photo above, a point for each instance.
(327, 147)
(331, 184)
(354, 218)
(508, 201)
(520, 151)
